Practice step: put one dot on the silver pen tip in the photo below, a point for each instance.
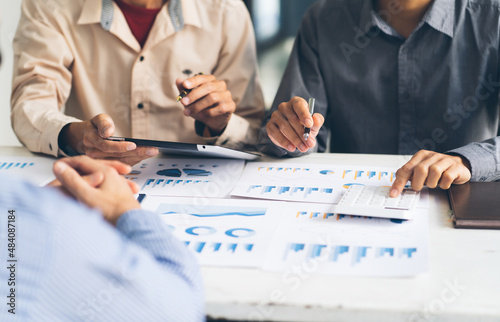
(306, 136)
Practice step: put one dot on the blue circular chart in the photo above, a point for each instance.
(201, 230)
(240, 232)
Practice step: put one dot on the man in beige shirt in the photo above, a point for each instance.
(80, 75)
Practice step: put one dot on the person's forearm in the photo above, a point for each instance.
(147, 230)
(484, 159)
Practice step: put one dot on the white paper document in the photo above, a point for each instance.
(220, 232)
(311, 238)
(211, 178)
(319, 183)
(37, 170)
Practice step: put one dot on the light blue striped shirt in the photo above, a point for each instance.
(73, 266)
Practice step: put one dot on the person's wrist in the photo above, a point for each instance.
(121, 209)
(68, 138)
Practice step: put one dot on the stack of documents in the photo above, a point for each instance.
(281, 217)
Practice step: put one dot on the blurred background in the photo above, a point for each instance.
(276, 22)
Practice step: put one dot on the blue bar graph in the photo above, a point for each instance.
(297, 189)
(283, 190)
(359, 253)
(371, 174)
(232, 247)
(198, 246)
(268, 189)
(407, 251)
(252, 187)
(316, 251)
(339, 250)
(327, 190)
(12, 165)
(328, 215)
(311, 190)
(384, 250)
(216, 246)
(166, 183)
(358, 174)
(315, 214)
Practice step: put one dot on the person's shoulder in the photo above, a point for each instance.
(488, 3)
(45, 9)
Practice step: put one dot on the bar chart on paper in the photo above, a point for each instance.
(306, 183)
(220, 232)
(187, 177)
(37, 170)
(313, 235)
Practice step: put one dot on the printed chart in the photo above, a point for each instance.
(306, 183)
(220, 232)
(211, 178)
(35, 170)
(313, 235)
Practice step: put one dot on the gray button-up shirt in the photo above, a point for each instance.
(381, 93)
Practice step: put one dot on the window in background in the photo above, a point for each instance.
(276, 23)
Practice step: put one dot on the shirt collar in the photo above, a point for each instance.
(440, 16)
(181, 12)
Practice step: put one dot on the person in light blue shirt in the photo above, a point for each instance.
(407, 77)
(63, 261)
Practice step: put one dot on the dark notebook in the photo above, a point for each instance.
(476, 205)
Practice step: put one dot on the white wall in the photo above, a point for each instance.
(10, 11)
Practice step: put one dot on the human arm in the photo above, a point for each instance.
(431, 169)
(477, 161)
(165, 277)
(90, 138)
(302, 78)
(42, 82)
(233, 86)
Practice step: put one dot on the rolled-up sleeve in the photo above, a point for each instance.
(41, 80)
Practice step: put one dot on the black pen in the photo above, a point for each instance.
(307, 130)
(186, 92)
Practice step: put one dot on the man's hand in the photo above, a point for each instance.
(209, 101)
(432, 169)
(95, 179)
(89, 137)
(113, 196)
(286, 126)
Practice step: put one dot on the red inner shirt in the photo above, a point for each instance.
(140, 20)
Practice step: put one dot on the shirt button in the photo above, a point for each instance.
(141, 58)
(140, 106)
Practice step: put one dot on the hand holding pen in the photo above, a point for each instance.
(207, 100)
(294, 126)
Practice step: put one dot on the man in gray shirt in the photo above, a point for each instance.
(396, 77)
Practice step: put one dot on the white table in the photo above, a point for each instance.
(463, 282)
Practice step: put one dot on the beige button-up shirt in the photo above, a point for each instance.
(80, 59)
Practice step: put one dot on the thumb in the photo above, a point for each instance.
(104, 125)
(178, 83)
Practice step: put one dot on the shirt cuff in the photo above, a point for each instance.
(481, 161)
(50, 136)
(238, 133)
(137, 220)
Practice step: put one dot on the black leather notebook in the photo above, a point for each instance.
(476, 205)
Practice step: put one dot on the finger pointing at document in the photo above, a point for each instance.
(431, 169)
